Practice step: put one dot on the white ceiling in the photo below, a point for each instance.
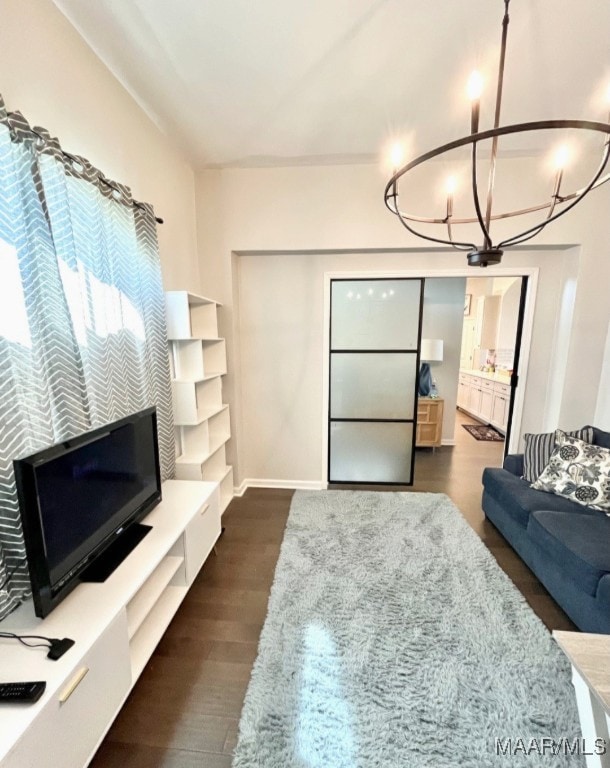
(277, 82)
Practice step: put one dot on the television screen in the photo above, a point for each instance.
(78, 496)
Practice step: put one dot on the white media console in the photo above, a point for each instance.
(116, 627)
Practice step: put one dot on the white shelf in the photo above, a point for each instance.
(190, 316)
(199, 360)
(212, 468)
(209, 377)
(196, 359)
(200, 441)
(142, 603)
(226, 490)
(152, 628)
(196, 402)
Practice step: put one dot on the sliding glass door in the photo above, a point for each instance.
(375, 328)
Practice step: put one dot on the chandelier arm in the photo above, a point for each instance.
(466, 246)
(494, 144)
(449, 215)
(520, 238)
(387, 197)
(475, 197)
(453, 243)
(485, 135)
(533, 234)
(402, 218)
(505, 130)
(499, 216)
(555, 198)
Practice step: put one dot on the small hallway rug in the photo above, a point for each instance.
(393, 639)
(481, 432)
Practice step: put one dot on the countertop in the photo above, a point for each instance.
(502, 376)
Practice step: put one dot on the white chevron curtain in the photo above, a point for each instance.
(82, 323)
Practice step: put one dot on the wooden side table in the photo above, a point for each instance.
(429, 422)
(589, 656)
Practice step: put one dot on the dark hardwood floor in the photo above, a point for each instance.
(184, 710)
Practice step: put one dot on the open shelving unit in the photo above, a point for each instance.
(198, 360)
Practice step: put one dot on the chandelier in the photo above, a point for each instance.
(483, 214)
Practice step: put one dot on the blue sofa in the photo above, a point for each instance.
(565, 544)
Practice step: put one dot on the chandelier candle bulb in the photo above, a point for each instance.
(450, 186)
(475, 89)
(397, 156)
(561, 160)
(475, 111)
(475, 85)
(562, 157)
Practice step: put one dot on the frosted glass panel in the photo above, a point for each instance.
(375, 314)
(372, 386)
(370, 452)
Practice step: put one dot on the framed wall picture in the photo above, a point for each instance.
(467, 301)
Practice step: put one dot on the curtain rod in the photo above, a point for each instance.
(74, 159)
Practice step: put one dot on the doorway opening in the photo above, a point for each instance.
(453, 342)
(476, 398)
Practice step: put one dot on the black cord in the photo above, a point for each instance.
(11, 573)
(57, 646)
(23, 638)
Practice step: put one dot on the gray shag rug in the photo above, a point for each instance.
(393, 639)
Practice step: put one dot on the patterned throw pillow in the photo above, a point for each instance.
(538, 450)
(578, 471)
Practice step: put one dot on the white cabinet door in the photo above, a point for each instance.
(468, 343)
(474, 399)
(463, 394)
(499, 414)
(200, 536)
(485, 411)
(70, 726)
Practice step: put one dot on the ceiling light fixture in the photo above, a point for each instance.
(556, 205)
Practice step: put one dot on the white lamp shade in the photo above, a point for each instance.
(431, 350)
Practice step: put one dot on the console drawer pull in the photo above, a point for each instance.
(73, 685)
(204, 509)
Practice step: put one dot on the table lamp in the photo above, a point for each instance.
(431, 351)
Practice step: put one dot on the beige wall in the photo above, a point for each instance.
(48, 73)
(334, 209)
(281, 354)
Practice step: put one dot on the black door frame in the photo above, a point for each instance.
(514, 379)
(331, 351)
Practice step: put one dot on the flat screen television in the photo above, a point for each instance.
(81, 501)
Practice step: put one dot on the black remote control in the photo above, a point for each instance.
(21, 693)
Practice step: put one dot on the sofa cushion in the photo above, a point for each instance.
(513, 462)
(601, 438)
(519, 499)
(538, 450)
(578, 471)
(579, 544)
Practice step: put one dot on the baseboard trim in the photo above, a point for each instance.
(448, 442)
(299, 485)
(240, 489)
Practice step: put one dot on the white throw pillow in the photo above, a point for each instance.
(578, 471)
